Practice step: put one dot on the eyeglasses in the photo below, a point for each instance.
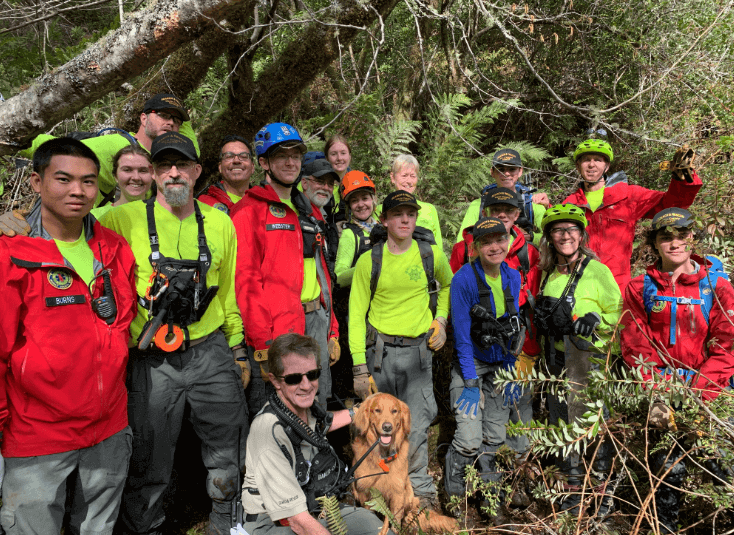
(323, 182)
(600, 131)
(168, 117)
(296, 378)
(244, 156)
(166, 165)
(560, 231)
(282, 157)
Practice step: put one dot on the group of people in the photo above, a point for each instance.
(224, 308)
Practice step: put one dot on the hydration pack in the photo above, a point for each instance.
(527, 200)
(706, 288)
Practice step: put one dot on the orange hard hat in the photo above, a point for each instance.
(353, 181)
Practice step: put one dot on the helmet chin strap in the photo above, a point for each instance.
(276, 179)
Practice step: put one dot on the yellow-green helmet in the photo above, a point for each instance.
(564, 212)
(594, 146)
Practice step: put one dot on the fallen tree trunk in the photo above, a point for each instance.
(144, 38)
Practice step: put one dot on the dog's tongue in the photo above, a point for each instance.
(385, 439)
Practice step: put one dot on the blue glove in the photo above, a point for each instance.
(468, 403)
(512, 393)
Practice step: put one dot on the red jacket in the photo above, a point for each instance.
(216, 196)
(612, 227)
(698, 346)
(62, 368)
(269, 275)
(530, 279)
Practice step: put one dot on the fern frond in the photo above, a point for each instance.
(334, 520)
(379, 505)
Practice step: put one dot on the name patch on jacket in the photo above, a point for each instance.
(63, 300)
(280, 226)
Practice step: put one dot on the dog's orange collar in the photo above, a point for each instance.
(383, 462)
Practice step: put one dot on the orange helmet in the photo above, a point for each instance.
(353, 181)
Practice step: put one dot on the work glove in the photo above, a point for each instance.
(12, 223)
(436, 335)
(468, 402)
(662, 416)
(586, 324)
(512, 391)
(240, 357)
(239, 530)
(364, 384)
(524, 365)
(682, 165)
(335, 351)
(261, 357)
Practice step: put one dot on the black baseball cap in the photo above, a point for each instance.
(672, 217)
(488, 225)
(500, 196)
(166, 101)
(319, 168)
(176, 142)
(399, 198)
(508, 157)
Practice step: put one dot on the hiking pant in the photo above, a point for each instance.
(489, 427)
(207, 379)
(317, 327)
(359, 521)
(35, 489)
(406, 372)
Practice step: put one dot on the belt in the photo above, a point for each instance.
(250, 518)
(402, 340)
(312, 305)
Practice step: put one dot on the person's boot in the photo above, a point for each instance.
(454, 473)
(491, 477)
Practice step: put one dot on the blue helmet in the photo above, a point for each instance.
(274, 134)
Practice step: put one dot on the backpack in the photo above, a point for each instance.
(362, 244)
(706, 287)
(527, 200)
(425, 239)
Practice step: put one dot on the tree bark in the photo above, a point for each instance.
(297, 66)
(143, 39)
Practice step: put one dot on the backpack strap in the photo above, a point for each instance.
(426, 253)
(707, 285)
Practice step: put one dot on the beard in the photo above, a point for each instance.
(177, 196)
(318, 200)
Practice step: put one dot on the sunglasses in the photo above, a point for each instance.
(296, 378)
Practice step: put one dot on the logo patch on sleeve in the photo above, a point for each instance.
(60, 279)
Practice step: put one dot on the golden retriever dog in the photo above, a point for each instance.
(385, 418)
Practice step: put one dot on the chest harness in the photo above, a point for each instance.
(706, 287)
(326, 474)
(177, 295)
(486, 329)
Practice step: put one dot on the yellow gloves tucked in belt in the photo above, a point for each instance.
(335, 351)
(240, 357)
(437, 334)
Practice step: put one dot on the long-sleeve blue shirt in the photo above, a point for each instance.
(464, 295)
